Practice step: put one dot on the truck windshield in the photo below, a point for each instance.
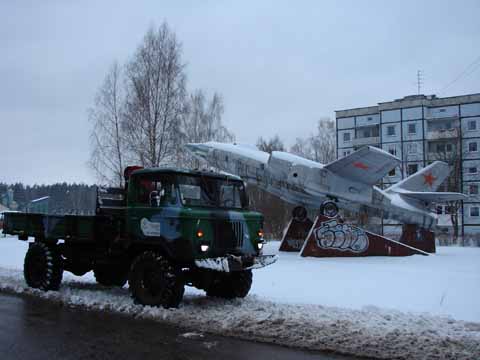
(209, 191)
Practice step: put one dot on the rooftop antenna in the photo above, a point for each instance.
(419, 81)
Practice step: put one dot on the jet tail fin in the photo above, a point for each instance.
(422, 185)
(427, 179)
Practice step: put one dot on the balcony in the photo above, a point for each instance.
(442, 134)
(441, 156)
(374, 140)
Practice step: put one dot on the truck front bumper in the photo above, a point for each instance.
(231, 263)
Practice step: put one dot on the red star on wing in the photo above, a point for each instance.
(429, 179)
(360, 165)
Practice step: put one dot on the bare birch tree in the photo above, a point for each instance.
(156, 96)
(269, 145)
(302, 147)
(107, 155)
(202, 122)
(324, 141)
(320, 146)
(142, 115)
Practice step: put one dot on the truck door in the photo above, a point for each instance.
(151, 201)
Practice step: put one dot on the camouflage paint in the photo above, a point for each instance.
(172, 228)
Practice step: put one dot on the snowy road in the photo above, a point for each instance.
(31, 328)
(291, 303)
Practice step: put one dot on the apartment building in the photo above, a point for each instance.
(420, 129)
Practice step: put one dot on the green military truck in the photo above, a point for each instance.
(165, 229)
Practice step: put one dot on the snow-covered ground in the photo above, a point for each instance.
(447, 283)
(407, 308)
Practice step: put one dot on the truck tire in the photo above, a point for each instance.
(232, 285)
(154, 281)
(43, 268)
(111, 275)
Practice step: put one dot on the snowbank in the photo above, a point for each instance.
(446, 283)
(368, 331)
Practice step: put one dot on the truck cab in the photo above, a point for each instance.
(192, 215)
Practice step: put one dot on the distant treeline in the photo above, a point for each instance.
(64, 198)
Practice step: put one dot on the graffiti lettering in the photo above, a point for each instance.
(344, 237)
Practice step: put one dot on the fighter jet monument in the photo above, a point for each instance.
(346, 182)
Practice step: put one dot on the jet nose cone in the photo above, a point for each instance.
(200, 150)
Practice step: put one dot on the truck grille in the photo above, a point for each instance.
(229, 235)
(237, 227)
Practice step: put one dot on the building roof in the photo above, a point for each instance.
(409, 101)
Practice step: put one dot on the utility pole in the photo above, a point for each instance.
(419, 81)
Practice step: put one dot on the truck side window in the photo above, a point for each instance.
(152, 192)
(168, 193)
(144, 188)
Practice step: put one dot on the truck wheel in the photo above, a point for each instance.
(43, 267)
(111, 275)
(154, 281)
(232, 285)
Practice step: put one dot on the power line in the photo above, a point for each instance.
(470, 69)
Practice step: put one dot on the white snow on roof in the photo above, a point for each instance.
(241, 150)
(295, 159)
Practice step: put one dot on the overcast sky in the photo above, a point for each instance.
(279, 65)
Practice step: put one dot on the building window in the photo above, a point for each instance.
(473, 189)
(412, 148)
(391, 173)
(412, 169)
(449, 147)
(392, 149)
(345, 153)
(472, 170)
(391, 130)
(474, 211)
(472, 125)
(472, 146)
(439, 209)
(412, 128)
(440, 148)
(346, 137)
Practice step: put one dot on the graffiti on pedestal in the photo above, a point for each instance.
(344, 237)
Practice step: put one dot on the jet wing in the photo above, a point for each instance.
(437, 197)
(367, 165)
